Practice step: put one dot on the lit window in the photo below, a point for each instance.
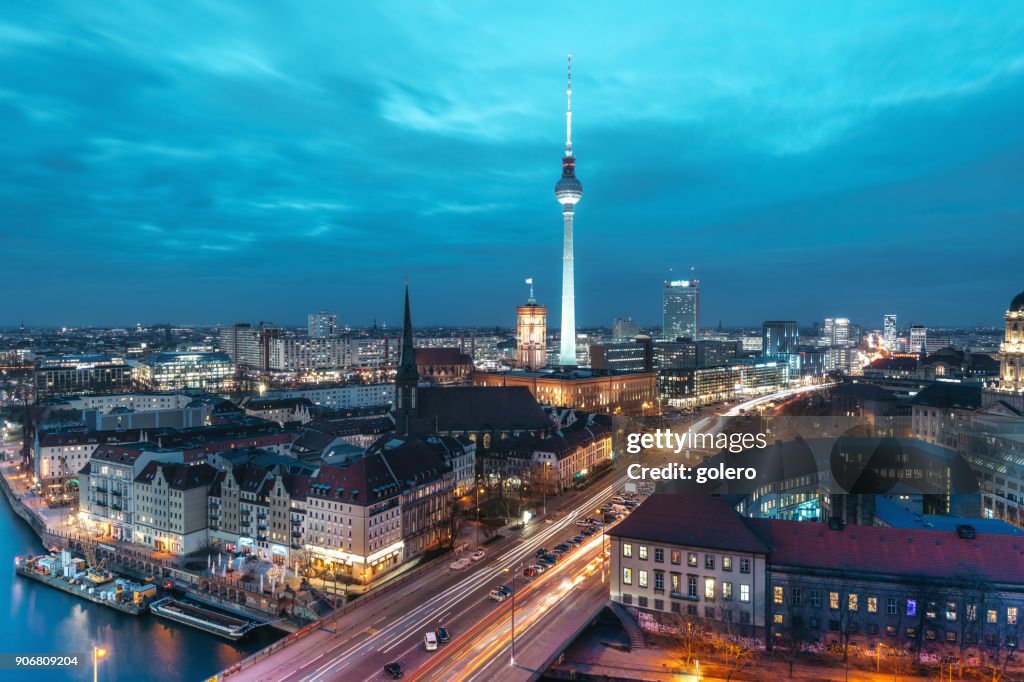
(627, 550)
(872, 604)
(777, 596)
(852, 602)
(643, 552)
(642, 578)
(833, 600)
(709, 588)
(951, 610)
(744, 593)
(627, 576)
(691, 558)
(1011, 615)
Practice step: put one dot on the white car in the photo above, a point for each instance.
(478, 555)
(430, 641)
(459, 564)
(497, 596)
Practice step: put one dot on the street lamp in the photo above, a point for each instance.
(514, 569)
(98, 652)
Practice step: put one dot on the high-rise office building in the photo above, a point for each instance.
(779, 338)
(889, 333)
(531, 333)
(568, 191)
(918, 338)
(837, 331)
(681, 309)
(624, 329)
(323, 324)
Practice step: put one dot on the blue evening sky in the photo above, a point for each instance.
(221, 161)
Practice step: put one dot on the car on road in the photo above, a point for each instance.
(589, 531)
(497, 596)
(545, 563)
(442, 635)
(459, 564)
(578, 539)
(582, 522)
(529, 572)
(550, 558)
(505, 589)
(563, 547)
(478, 555)
(394, 670)
(539, 568)
(430, 641)
(541, 552)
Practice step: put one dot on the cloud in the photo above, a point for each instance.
(356, 144)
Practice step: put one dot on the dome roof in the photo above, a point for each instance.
(1017, 304)
(568, 184)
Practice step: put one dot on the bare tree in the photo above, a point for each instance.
(687, 636)
(794, 634)
(737, 651)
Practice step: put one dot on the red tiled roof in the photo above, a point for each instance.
(701, 520)
(900, 552)
(696, 520)
(441, 356)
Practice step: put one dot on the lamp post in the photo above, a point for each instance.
(514, 569)
(97, 653)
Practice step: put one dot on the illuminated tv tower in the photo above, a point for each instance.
(568, 191)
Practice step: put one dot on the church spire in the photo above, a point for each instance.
(407, 357)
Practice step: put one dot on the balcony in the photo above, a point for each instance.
(116, 492)
(296, 522)
(296, 533)
(261, 538)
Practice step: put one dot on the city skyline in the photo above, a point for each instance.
(304, 175)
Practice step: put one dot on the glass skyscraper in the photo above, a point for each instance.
(681, 309)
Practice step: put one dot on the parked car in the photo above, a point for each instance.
(551, 558)
(563, 547)
(539, 568)
(582, 522)
(545, 563)
(529, 572)
(589, 531)
(578, 539)
(442, 635)
(430, 641)
(478, 555)
(497, 596)
(394, 670)
(541, 552)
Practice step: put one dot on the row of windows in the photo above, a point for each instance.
(852, 603)
(711, 589)
(676, 557)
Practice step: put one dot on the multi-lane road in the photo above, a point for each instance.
(548, 607)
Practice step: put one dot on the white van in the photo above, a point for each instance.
(430, 641)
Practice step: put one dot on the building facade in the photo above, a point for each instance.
(680, 306)
(323, 324)
(531, 335)
(211, 371)
(80, 374)
(592, 391)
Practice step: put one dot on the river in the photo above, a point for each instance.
(37, 619)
